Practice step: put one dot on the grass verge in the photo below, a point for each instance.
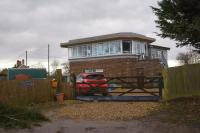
(19, 117)
(181, 110)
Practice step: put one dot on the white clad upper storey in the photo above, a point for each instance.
(108, 48)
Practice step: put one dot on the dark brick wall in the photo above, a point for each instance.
(118, 66)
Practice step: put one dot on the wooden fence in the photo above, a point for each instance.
(183, 81)
(16, 92)
(69, 91)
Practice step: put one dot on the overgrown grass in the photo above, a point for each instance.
(182, 110)
(19, 117)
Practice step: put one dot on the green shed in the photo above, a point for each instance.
(34, 73)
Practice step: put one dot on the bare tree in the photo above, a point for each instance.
(184, 57)
(195, 57)
(55, 65)
(65, 67)
(4, 71)
(38, 65)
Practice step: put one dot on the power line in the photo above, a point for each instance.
(26, 58)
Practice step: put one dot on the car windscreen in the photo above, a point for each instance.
(95, 76)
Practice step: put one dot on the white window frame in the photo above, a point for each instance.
(89, 50)
(94, 50)
(98, 49)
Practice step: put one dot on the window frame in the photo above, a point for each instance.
(130, 47)
(106, 48)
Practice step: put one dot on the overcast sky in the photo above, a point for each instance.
(33, 24)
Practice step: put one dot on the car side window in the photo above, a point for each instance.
(95, 76)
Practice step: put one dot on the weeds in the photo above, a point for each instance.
(182, 110)
(19, 117)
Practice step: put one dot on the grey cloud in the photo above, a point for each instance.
(32, 24)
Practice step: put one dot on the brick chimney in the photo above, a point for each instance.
(18, 63)
(22, 61)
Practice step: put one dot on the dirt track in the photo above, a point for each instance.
(105, 117)
(82, 126)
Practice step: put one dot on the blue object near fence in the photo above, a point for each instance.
(27, 84)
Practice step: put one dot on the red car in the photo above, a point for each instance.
(91, 83)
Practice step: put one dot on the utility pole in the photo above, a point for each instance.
(48, 62)
(26, 57)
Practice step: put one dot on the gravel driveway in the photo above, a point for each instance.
(104, 110)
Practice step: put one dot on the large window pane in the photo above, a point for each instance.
(80, 51)
(100, 49)
(84, 51)
(112, 48)
(97, 49)
(164, 54)
(140, 48)
(74, 52)
(79, 54)
(70, 52)
(94, 50)
(105, 49)
(153, 53)
(159, 54)
(117, 47)
(134, 47)
(146, 49)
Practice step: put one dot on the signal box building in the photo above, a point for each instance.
(118, 54)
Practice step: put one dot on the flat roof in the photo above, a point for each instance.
(160, 47)
(108, 37)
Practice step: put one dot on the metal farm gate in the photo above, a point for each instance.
(137, 88)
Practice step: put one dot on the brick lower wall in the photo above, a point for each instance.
(118, 66)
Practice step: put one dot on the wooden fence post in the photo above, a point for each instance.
(73, 85)
(160, 87)
(59, 79)
(140, 82)
(140, 77)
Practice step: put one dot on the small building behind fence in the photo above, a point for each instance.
(28, 73)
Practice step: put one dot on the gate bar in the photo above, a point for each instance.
(118, 98)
